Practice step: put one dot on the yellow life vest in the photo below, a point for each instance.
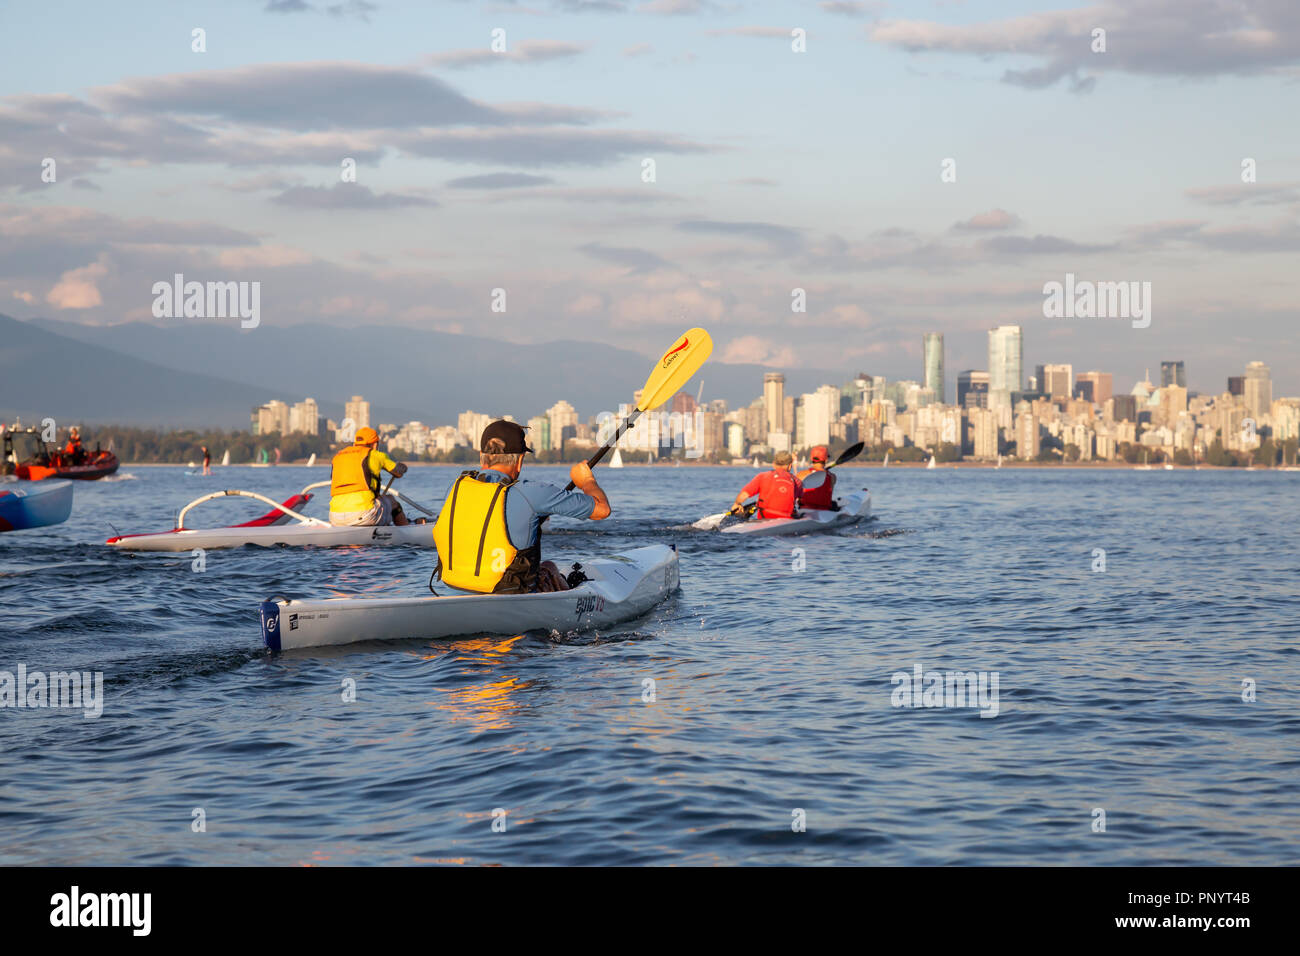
(351, 475)
(475, 552)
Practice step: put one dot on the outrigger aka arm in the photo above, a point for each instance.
(180, 519)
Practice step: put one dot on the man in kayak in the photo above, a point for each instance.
(489, 534)
(821, 498)
(778, 491)
(355, 480)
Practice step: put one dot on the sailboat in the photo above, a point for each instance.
(263, 461)
(225, 459)
(311, 462)
(757, 463)
(615, 462)
(930, 463)
(885, 463)
(1145, 466)
(999, 465)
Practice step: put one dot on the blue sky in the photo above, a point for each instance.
(775, 170)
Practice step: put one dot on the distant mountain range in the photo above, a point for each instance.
(208, 375)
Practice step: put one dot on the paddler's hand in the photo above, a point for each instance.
(580, 475)
(399, 469)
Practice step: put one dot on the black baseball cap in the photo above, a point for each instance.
(511, 433)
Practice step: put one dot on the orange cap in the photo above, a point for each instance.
(366, 436)
(820, 453)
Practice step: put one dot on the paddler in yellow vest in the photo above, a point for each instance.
(355, 481)
(489, 534)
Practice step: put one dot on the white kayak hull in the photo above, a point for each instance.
(854, 506)
(621, 587)
(295, 534)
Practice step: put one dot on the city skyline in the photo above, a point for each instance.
(1076, 419)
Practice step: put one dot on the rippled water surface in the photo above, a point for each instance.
(1118, 690)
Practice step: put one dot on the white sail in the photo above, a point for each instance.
(885, 463)
(225, 459)
(617, 460)
(311, 462)
(930, 463)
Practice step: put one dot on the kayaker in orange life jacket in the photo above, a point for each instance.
(778, 491)
(821, 498)
(356, 477)
(489, 534)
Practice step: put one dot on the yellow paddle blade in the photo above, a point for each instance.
(675, 368)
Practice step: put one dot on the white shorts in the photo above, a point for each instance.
(380, 513)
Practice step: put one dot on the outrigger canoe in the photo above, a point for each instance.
(854, 506)
(33, 504)
(282, 525)
(618, 588)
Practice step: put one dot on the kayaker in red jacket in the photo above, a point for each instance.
(821, 498)
(778, 491)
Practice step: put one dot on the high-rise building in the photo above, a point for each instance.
(774, 401)
(1028, 438)
(273, 417)
(1125, 408)
(358, 410)
(932, 355)
(471, 424)
(1236, 385)
(1173, 402)
(1173, 373)
(563, 416)
(1101, 385)
(1259, 389)
(1056, 381)
(304, 418)
(539, 432)
(755, 421)
(819, 410)
(1006, 364)
(984, 426)
(735, 439)
(973, 389)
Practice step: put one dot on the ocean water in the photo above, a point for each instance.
(773, 736)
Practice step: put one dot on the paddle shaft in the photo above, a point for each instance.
(619, 432)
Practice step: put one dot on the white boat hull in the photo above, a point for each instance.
(854, 506)
(621, 587)
(294, 534)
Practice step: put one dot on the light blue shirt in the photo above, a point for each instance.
(528, 503)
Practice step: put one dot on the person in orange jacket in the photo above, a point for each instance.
(356, 478)
(73, 451)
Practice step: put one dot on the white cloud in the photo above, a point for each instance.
(76, 288)
(756, 350)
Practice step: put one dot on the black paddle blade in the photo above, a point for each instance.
(848, 454)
